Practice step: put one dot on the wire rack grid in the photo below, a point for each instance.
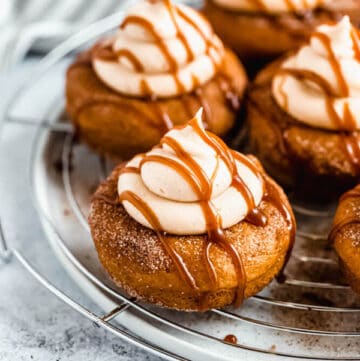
(314, 308)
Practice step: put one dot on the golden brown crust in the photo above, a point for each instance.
(346, 239)
(119, 125)
(298, 156)
(136, 261)
(262, 35)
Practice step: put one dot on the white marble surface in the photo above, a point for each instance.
(34, 325)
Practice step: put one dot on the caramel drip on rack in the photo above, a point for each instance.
(338, 226)
(346, 123)
(201, 184)
(231, 339)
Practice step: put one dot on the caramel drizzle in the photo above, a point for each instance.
(230, 94)
(148, 26)
(334, 63)
(151, 218)
(189, 169)
(259, 4)
(135, 62)
(225, 86)
(105, 53)
(224, 82)
(345, 123)
(338, 226)
(172, 11)
(273, 196)
(356, 43)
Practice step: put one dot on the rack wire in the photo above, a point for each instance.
(303, 295)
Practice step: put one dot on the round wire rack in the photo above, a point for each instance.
(312, 315)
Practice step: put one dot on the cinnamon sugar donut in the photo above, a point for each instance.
(257, 33)
(306, 132)
(165, 249)
(118, 125)
(137, 262)
(345, 236)
(162, 64)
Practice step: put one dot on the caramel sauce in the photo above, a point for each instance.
(259, 5)
(210, 266)
(346, 123)
(204, 104)
(158, 110)
(201, 185)
(129, 169)
(273, 195)
(180, 34)
(230, 94)
(135, 62)
(256, 217)
(333, 61)
(231, 339)
(349, 119)
(103, 52)
(151, 218)
(148, 26)
(356, 43)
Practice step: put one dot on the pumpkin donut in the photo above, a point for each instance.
(263, 30)
(302, 115)
(345, 236)
(155, 72)
(193, 255)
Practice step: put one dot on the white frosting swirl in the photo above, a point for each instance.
(270, 6)
(176, 205)
(173, 50)
(332, 101)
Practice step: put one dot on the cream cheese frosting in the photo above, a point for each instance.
(270, 6)
(161, 50)
(320, 85)
(190, 172)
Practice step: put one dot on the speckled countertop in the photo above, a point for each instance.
(34, 325)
